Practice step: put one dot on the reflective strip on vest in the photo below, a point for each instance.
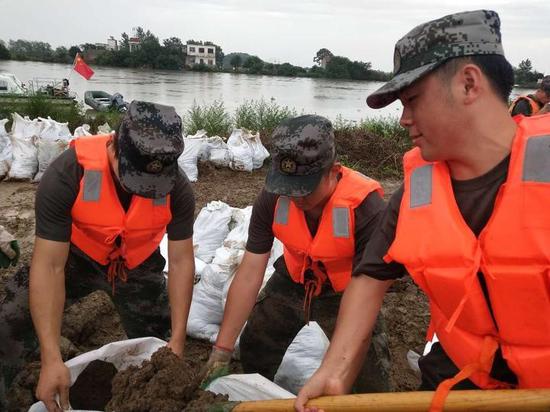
(283, 208)
(340, 222)
(92, 185)
(161, 201)
(421, 186)
(536, 164)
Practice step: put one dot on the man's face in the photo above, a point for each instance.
(319, 196)
(429, 115)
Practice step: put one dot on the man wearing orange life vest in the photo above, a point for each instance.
(470, 223)
(323, 213)
(102, 209)
(533, 104)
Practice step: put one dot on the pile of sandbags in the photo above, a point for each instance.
(32, 144)
(243, 151)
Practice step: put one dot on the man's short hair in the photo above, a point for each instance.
(495, 67)
(545, 85)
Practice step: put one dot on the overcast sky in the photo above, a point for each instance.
(275, 30)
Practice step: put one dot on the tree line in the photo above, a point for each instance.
(170, 54)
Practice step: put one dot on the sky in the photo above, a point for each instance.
(275, 30)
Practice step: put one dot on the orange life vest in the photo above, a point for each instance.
(535, 108)
(333, 246)
(99, 219)
(512, 252)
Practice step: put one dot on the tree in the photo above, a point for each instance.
(30, 50)
(323, 55)
(525, 73)
(73, 50)
(4, 52)
(125, 41)
(61, 55)
(254, 65)
(219, 56)
(235, 62)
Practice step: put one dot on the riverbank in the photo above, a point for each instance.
(373, 145)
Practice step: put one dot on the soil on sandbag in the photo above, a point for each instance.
(92, 388)
(92, 322)
(160, 384)
(204, 400)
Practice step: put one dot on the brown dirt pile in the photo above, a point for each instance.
(92, 388)
(161, 384)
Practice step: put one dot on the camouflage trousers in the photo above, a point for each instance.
(142, 303)
(277, 318)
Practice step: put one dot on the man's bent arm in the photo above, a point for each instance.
(46, 301)
(360, 305)
(181, 274)
(47, 294)
(242, 297)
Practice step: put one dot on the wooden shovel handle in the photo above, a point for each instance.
(523, 400)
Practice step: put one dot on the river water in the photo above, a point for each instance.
(329, 98)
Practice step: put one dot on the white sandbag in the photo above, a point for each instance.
(24, 127)
(105, 128)
(302, 358)
(247, 150)
(259, 152)
(241, 151)
(238, 235)
(199, 264)
(121, 354)
(248, 387)
(217, 152)
(5, 150)
(25, 158)
(210, 229)
(81, 131)
(192, 150)
(3, 131)
(206, 311)
(48, 150)
(53, 130)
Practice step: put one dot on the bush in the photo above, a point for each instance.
(214, 119)
(260, 116)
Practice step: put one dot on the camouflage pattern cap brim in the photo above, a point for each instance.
(430, 44)
(292, 186)
(388, 93)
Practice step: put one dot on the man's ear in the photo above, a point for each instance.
(470, 80)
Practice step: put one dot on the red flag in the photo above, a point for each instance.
(82, 68)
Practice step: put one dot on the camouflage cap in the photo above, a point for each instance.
(149, 143)
(430, 44)
(302, 148)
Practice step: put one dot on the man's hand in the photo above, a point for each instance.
(176, 346)
(9, 249)
(216, 366)
(321, 383)
(55, 379)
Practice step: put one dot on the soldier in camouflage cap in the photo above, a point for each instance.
(323, 213)
(102, 209)
(468, 224)
(150, 142)
(429, 45)
(302, 149)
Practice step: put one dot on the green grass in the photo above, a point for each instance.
(213, 118)
(260, 116)
(39, 106)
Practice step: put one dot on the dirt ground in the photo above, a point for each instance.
(405, 308)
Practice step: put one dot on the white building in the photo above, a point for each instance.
(200, 54)
(134, 43)
(112, 44)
